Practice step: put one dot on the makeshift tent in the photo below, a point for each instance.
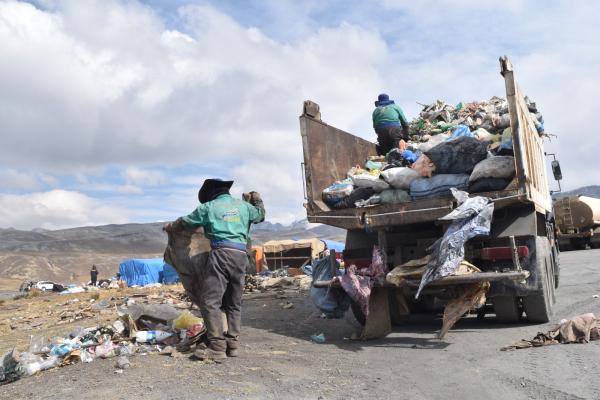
(141, 272)
(291, 253)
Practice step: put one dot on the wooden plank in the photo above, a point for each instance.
(527, 144)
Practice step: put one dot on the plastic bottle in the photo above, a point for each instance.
(151, 336)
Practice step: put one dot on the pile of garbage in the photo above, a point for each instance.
(467, 146)
(140, 329)
(258, 283)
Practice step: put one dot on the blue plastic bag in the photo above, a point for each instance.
(461, 130)
(333, 302)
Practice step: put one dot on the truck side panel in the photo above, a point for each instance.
(328, 155)
(527, 144)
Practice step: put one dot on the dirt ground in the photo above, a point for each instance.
(279, 361)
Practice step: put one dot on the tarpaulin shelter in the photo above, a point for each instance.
(291, 253)
(142, 272)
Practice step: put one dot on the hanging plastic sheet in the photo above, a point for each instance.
(357, 282)
(473, 217)
(332, 302)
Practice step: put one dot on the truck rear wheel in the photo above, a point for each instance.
(538, 307)
(507, 308)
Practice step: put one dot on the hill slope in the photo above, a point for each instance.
(67, 254)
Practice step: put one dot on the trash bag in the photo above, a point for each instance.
(433, 141)
(438, 185)
(337, 192)
(333, 302)
(394, 196)
(473, 217)
(424, 166)
(399, 178)
(357, 195)
(369, 181)
(488, 185)
(457, 156)
(187, 251)
(461, 130)
(494, 167)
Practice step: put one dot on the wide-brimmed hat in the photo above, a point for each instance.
(383, 100)
(209, 186)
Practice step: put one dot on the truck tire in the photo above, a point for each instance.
(538, 307)
(358, 313)
(507, 308)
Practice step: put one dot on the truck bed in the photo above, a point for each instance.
(330, 152)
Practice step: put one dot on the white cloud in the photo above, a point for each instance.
(13, 179)
(143, 177)
(57, 209)
(209, 91)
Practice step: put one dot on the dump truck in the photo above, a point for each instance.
(519, 258)
(578, 222)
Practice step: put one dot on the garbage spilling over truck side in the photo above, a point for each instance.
(467, 147)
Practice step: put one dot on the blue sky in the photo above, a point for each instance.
(115, 111)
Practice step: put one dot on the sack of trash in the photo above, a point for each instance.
(438, 185)
(457, 156)
(394, 196)
(502, 167)
(337, 192)
(370, 181)
(400, 177)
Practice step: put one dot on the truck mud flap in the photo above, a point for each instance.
(378, 323)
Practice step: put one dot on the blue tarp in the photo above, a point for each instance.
(141, 272)
(337, 246)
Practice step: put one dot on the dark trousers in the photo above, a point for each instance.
(221, 288)
(94, 279)
(388, 138)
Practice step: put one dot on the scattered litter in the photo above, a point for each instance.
(122, 363)
(582, 328)
(318, 338)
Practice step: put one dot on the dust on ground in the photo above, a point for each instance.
(278, 360)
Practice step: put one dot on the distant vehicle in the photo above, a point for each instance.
(44, 286)
(578, 221)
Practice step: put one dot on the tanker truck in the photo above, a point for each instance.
(578, 222)
(519, 258)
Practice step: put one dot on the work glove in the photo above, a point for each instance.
(252, 198)
(176, 225)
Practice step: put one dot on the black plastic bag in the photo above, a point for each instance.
(457, 156)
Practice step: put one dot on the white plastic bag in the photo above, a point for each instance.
(400, 177)
(370, 181)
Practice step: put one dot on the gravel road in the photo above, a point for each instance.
(279, 362)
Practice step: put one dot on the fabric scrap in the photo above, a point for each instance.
(582, 328)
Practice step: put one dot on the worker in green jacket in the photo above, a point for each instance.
(226, 223)
(390, 124)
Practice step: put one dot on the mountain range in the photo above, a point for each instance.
(68, 254)
(589, 191)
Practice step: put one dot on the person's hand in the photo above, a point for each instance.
(255, 198)
(402, 145)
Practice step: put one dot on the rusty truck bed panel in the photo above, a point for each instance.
(328, 155)
(414, 212)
